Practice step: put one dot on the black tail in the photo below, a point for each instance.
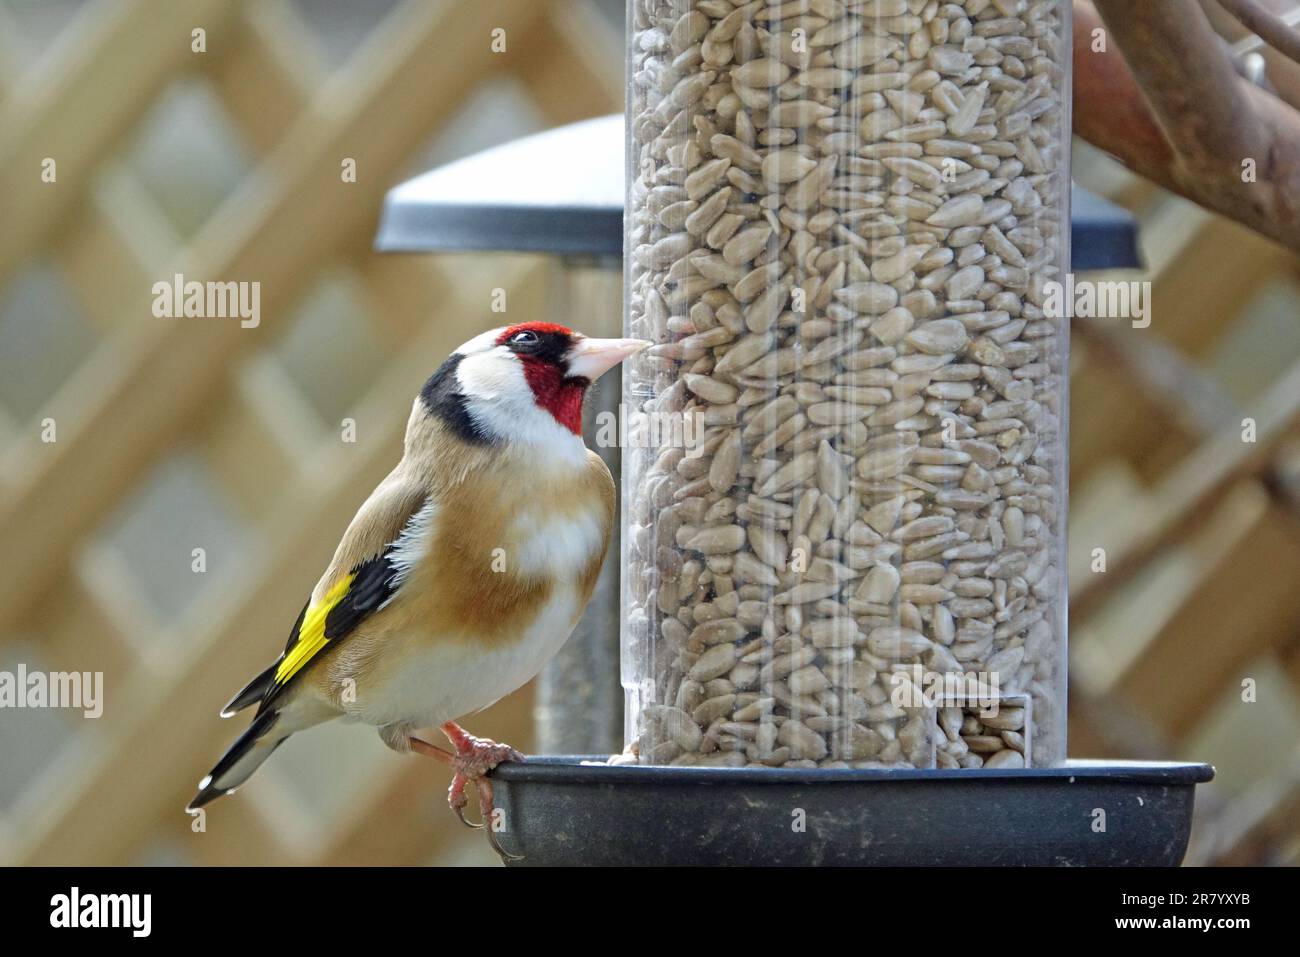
(243, 758)
(253, 692)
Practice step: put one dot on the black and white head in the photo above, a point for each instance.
(522, 383)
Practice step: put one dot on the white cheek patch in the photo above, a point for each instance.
(502, 403)
(493, 374)
(562, 545)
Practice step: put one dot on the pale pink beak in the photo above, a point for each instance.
(592, 358)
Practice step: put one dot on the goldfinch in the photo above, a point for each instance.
(464, 571)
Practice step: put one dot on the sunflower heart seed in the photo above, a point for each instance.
(896, 642)
(843, 218)
(716, 661)
(958, 211)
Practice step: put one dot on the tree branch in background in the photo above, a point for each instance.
(1188, 83)
(1266, 25)
(1282, 72)
(1169, 106)
(1109, 111)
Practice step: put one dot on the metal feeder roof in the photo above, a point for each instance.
(556, 192)
(561, 192)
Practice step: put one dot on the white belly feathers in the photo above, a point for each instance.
(561, 544)
(437, 677)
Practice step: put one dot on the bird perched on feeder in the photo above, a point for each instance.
(464, 571)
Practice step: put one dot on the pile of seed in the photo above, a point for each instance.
(842, 216)
(973, 738)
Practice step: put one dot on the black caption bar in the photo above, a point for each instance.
(333, 906)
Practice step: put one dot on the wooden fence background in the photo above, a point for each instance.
(179, 434)
(182, 434)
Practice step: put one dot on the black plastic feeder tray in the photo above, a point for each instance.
(576, 811)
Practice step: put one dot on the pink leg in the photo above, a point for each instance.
(473, 759)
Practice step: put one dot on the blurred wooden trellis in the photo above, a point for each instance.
(1200, 528)
(1185, 438)
(147, 387)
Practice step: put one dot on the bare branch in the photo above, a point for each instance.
(1266, 25)
(1169, 106)
(1109, 110)
(1281, 75)
(1187, 81)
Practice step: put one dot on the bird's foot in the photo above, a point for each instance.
(473, 759)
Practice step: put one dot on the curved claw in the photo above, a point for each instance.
(488, 806)
(496, 846)
(457, 800)
(460, 813)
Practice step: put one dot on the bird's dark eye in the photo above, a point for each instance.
(524, 337)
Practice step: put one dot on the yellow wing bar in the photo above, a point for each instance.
(311, 636)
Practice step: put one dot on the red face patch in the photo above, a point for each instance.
(542, 348)
(556, 393)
